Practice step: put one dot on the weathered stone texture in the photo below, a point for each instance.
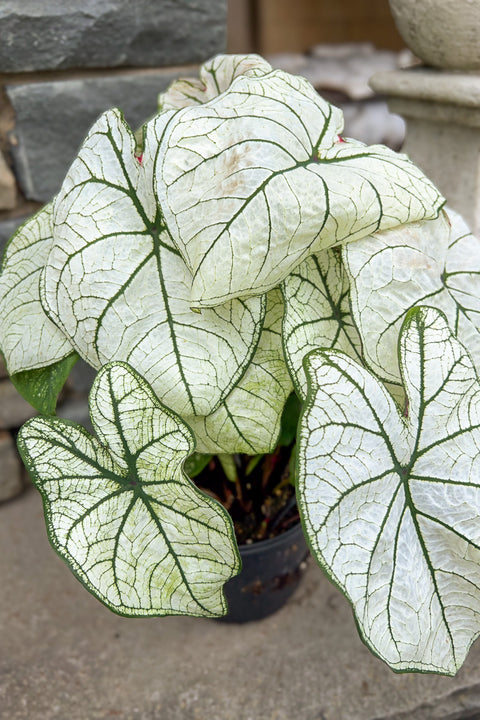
(11, 473)
(58, 34)
(8, 190)
(7, 228)
(443, 33)
(52, 119)
(442, 111)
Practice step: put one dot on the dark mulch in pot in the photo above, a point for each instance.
(261, 499)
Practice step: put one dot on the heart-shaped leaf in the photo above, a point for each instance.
(256, 180)
(317, 313)
(28, 339)
(121, 512)
(248, 420)
(117, 286)
(435, 263)
(391, 504)
(216, 76)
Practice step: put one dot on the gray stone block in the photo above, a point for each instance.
(52, 119)
(8, 190)
(7, 228)
(14, 410)
(58, 34)
(11, 473)
(76, 411)
(81, 378)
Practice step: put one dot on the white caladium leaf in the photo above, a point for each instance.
(28, 339)
(248, 420)
(391, 504)
(257, 179)
(118, 287)
(317, 313)
(134, 529)
(435, 263)
(215, 76)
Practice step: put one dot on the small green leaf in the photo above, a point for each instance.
(41, 387)
(252, 464)
(391, 504)
(228, 466)
(289, 422)
(120, 511)
(195, 463)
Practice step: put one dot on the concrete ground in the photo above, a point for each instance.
(63, 656)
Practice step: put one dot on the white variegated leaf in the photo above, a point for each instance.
(133, 528)
(248, 420)
(28, 339)
(256, 180)
(215, 76)
(317, 313)
(435, 263)
(391, 504)
(118, 287)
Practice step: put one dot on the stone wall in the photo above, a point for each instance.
(62, 63)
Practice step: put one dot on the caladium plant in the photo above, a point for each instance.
(239, 273)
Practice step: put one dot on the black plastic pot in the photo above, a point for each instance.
(270, 574)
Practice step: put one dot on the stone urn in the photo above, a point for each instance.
(440, 99)
(442, 33)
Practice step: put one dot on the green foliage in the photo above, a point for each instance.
(195, 463)
(289, 422)
(42, 386)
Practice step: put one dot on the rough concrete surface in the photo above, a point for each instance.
(441, 32)
(11, 474)
(64, 656)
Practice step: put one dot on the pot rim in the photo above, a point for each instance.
(250, 548)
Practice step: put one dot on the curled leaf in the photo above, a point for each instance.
(435, 263)
(215, 77)
(256, 180)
